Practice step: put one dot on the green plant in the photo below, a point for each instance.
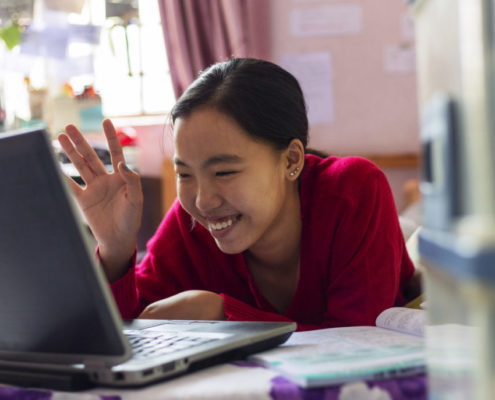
(11, 34)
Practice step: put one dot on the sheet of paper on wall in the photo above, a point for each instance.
(84, 33)
(400, 59)
(326, 20)
(47, 42)
(52, 37)
(314, 72)
(407, 27)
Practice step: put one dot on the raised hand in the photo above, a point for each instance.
(111, 202)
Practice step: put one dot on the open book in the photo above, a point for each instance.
(324, 357)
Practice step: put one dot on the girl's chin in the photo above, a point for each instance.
(229, 247)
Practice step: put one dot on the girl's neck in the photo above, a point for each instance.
(280, 249)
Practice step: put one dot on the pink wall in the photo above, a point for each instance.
(373, 84)
(366, 102)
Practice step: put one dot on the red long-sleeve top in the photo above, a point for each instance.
(353, 258)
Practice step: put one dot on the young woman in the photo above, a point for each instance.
(260, 231)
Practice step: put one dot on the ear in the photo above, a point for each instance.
(294, 155)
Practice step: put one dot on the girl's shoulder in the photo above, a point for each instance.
(339, 172)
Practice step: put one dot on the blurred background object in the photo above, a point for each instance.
(456, 90)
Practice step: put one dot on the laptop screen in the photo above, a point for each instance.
(52, 297)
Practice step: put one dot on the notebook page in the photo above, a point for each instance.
(337, 355)
(406, 320)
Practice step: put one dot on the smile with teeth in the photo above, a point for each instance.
(218, 226)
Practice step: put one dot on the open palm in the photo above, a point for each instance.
(111, 202)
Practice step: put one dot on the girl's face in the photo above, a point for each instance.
(233, 185)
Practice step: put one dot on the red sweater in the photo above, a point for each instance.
(353, 257)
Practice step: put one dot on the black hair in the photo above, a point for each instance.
(263, 98)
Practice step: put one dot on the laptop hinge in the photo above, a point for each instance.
(94, 365)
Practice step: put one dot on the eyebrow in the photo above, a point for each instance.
(218, 159)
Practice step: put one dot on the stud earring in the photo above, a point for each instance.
(293, 173)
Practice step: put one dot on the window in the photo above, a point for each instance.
(131, 73)
(122, 57)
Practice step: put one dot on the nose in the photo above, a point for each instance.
(207, 197)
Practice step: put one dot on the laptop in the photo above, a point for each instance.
(60, 327)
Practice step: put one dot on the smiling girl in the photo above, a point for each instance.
(260, 230)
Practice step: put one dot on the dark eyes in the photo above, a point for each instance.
(225, 173)
(219, 174)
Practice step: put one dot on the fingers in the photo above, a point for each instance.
(73, 184)
(114, 146)
(85, 150)
(81, 153)
(134, 191)
(88, 169)
(87, 162)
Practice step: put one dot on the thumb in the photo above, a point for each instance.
(133, 182)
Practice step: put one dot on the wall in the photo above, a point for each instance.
(370, 92)
(355, 61)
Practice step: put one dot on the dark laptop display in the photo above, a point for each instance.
(51, 302)
(57, 316)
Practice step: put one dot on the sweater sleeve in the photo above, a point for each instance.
(165, 270)
(236, 310)
(126, 295)
(124, 289)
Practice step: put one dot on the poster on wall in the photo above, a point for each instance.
(326, 21)
(407, 27)
(314, 73)
(400, 59)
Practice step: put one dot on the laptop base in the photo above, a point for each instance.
(54, 380)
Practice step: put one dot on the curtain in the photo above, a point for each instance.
(199, 33)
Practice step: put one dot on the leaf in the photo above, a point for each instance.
(11, 35)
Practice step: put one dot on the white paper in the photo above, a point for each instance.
(336, 355)
(401, 319)
(400, 59)
(47, 42)
(337, 339)
(407, 27)
(52, 41)
(326, 21)
(314, 72)
(84, 34)
(345, 341)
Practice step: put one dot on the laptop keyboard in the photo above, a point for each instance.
(147, 344)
